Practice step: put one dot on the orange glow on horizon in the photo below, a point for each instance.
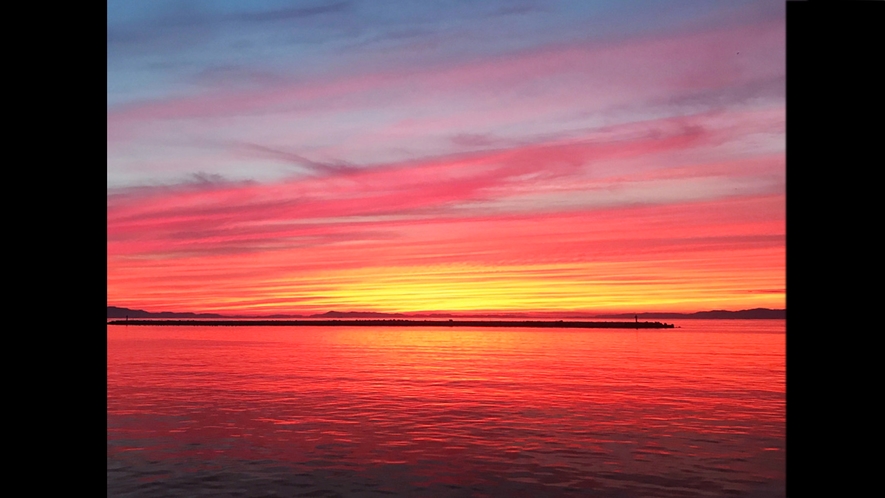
(636, 260)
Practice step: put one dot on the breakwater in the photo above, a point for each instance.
(403, 323)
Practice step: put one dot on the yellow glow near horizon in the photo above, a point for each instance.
(674, 285)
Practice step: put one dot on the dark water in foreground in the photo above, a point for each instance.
(275, 411)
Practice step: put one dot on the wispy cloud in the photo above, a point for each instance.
(549, 176)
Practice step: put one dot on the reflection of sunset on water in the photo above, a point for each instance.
(691, 406)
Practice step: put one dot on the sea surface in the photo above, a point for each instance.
(693, 411)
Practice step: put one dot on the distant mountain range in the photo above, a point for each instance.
(118, 312)
(115, 312)
(757, 313)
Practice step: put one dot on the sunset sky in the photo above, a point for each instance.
(411, 156)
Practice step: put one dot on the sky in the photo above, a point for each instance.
(451, 156)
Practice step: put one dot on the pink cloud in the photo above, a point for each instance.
(244, 211)
(544, 83)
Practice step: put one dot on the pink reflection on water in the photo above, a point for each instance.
(415, 410)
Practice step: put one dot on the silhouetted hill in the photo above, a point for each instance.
(354, 314)
(118, 312)
(115, 312)
(756, 313)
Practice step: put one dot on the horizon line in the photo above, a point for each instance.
(485, 313)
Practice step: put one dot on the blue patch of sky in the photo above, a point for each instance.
(166, 49)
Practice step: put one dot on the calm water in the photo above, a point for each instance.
(319, 411)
